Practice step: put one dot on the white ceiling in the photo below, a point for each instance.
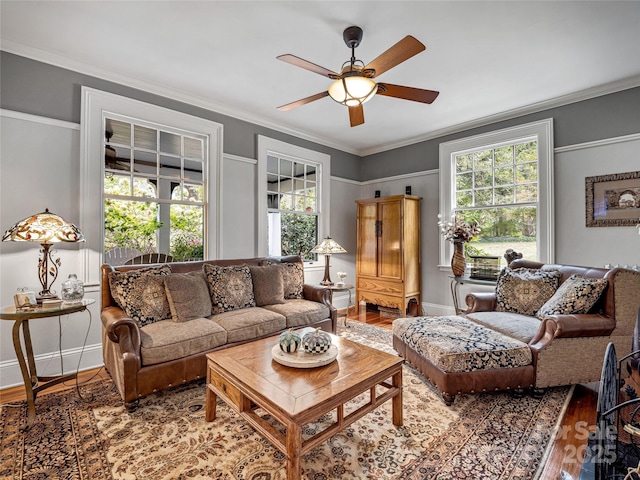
(488, 59)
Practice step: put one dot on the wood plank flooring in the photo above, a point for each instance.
(568, 447)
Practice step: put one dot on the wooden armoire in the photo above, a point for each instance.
(388, 268)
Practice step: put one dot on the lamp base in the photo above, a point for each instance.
(326, 281)
(46, 296)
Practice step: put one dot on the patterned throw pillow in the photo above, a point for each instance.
(231, 288)
(140, 293)
(576, 295)
(292, 278)
(525, 290)
(267, 284)
(188, 295)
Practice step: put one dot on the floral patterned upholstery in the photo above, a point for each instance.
(141, 293)
(292, 278)
(525, 290)
(455, 344)
(231, 287)
(576, 295)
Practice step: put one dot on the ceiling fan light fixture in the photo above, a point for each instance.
(353, 90)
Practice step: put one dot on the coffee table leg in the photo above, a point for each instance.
(396, 381)
(294, 445)
(210, 405)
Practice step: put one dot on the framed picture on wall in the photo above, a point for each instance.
(613, 200)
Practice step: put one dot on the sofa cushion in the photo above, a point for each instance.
(249, 323)
(301, 312)
(576, 295)
(292, 278)
(231, 287)
(514, 325)
(167, 340)
(267, 284)
(524, 290)
(141, 294)
(188, 295)
(455, 344)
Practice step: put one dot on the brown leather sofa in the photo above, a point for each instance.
(123, 338)
(565, 349)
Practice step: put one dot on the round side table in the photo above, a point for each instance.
(33, 383)
(347, 287)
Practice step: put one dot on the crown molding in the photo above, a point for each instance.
(60, 61)
(613, 87)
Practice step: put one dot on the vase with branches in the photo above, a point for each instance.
(458, 232)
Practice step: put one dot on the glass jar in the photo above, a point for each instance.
(72, 289)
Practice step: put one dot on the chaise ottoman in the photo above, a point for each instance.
(459, 356)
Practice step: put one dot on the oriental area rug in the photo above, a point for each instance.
(93, 437)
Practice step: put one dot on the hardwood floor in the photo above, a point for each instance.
(568, 447)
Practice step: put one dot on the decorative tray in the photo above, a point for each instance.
(302, 359)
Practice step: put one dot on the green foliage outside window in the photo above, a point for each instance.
(135, 224)
(298, 234)
(187, 226)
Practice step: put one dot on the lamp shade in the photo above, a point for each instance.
(353, 90)
(328, 247)
(45, 227)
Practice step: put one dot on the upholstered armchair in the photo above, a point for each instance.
(569, 348)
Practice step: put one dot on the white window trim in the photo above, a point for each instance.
(543, 131)
(94, 104)
(268, 146)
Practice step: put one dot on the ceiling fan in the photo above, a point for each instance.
(354, 85)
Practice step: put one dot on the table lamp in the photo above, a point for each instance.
(327, 247)
(45, 228)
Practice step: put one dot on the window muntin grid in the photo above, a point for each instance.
(154, 154)
(499, 176)
(292, 185)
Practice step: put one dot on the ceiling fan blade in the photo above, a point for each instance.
(356, 115)
(312, 67)
(407, 93)
(303, 101)
(401, 51)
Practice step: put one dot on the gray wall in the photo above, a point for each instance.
(37, 88)
(608, 116)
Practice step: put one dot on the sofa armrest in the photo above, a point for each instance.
(572, 326)
(121, 329)
(481, 302)
(320, 294)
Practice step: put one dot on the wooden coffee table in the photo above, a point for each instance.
(247, 379)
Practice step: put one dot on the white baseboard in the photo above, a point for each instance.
(48, 364)
(341, 300)
(438, 310)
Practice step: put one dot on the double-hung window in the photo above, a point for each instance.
(292, 199)
(154, 189)
(150, 181)
(503, 181)
(293, 193)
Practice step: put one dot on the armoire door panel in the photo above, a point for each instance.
(390, 242)
(367, 240)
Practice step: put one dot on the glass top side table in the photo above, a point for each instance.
(33, 383)
(461, 281)
(345, 287)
